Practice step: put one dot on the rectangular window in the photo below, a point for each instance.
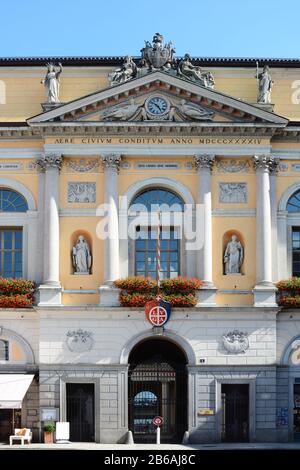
(296, 251)
(3, 350)
(11, 250)
(145, 253)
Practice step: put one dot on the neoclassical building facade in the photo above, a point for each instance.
(216, 142)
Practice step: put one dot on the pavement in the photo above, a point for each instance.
(155, 447)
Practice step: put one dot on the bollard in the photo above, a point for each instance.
(129, 438)
(158, 435)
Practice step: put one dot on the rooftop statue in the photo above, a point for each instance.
(159, 56)
(51, 82)
(124, 73)
(265, 84)
(194, 73)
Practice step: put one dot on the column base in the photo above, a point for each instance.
(49, 296)
(109, 296)
(264, 296)
(206, 296)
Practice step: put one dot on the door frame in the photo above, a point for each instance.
(251, 383)
(63, 399)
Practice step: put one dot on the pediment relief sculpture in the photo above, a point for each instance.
(160, 56)
(157, 108)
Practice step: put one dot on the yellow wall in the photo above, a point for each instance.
(25, 93)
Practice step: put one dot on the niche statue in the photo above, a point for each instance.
(233, 256)
(81, 256)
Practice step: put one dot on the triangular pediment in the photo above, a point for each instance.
(157, 97)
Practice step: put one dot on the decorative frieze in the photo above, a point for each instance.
(82, 165)
(81, 192)
(50, 160)
(112, 160)
(233, 193)
(79, 340)
(284, 167)
(235, 342)
(233, 166)
(204, 161)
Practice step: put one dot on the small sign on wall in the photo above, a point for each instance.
(49, 414)
(206, 412)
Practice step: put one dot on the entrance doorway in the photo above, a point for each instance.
(296, 411)
(9, 420)
(81, 411)
(235, 412)
(157, 387)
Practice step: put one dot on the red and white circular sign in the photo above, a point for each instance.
(158, 315)
(157, 421)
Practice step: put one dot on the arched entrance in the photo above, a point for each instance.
(157, 386)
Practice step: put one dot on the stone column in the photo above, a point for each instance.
(109, 295)
(273, 201)
(204, 165)
(264, 291)
(50, 290)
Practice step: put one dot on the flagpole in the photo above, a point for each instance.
(158, 257)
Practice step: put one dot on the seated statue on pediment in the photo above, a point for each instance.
(124, 73)
(194, 73)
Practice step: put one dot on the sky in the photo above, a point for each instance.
(203, 28)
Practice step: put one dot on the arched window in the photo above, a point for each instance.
(11, 201)
(293, 204)
(158, 199)
(151, 201)
(3, 350)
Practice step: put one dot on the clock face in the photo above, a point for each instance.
(157, 105)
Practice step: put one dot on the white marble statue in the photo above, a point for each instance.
(193, 111)
(51, 82)
(265, 84)
(81, 256)
(233, 256)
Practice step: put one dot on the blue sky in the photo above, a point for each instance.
(235, 28)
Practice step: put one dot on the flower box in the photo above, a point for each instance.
(16, 293)
(136, 291)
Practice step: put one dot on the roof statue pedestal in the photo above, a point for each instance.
(50, 106)
(265, 106)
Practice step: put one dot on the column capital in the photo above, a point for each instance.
(50, 160)
(266, 162)
(204, 161)
(111, 160)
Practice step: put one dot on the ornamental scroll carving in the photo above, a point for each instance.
(235, 342)
(79, 340)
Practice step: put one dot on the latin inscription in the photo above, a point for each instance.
(158, 141)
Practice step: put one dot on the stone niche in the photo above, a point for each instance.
(227, 237)
(73, 240)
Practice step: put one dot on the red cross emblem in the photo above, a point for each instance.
(157, 312)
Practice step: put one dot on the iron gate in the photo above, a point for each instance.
(235, 412)
(80, 412)
(157, 389)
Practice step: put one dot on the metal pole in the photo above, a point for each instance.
(158, 257)
(158, 435)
